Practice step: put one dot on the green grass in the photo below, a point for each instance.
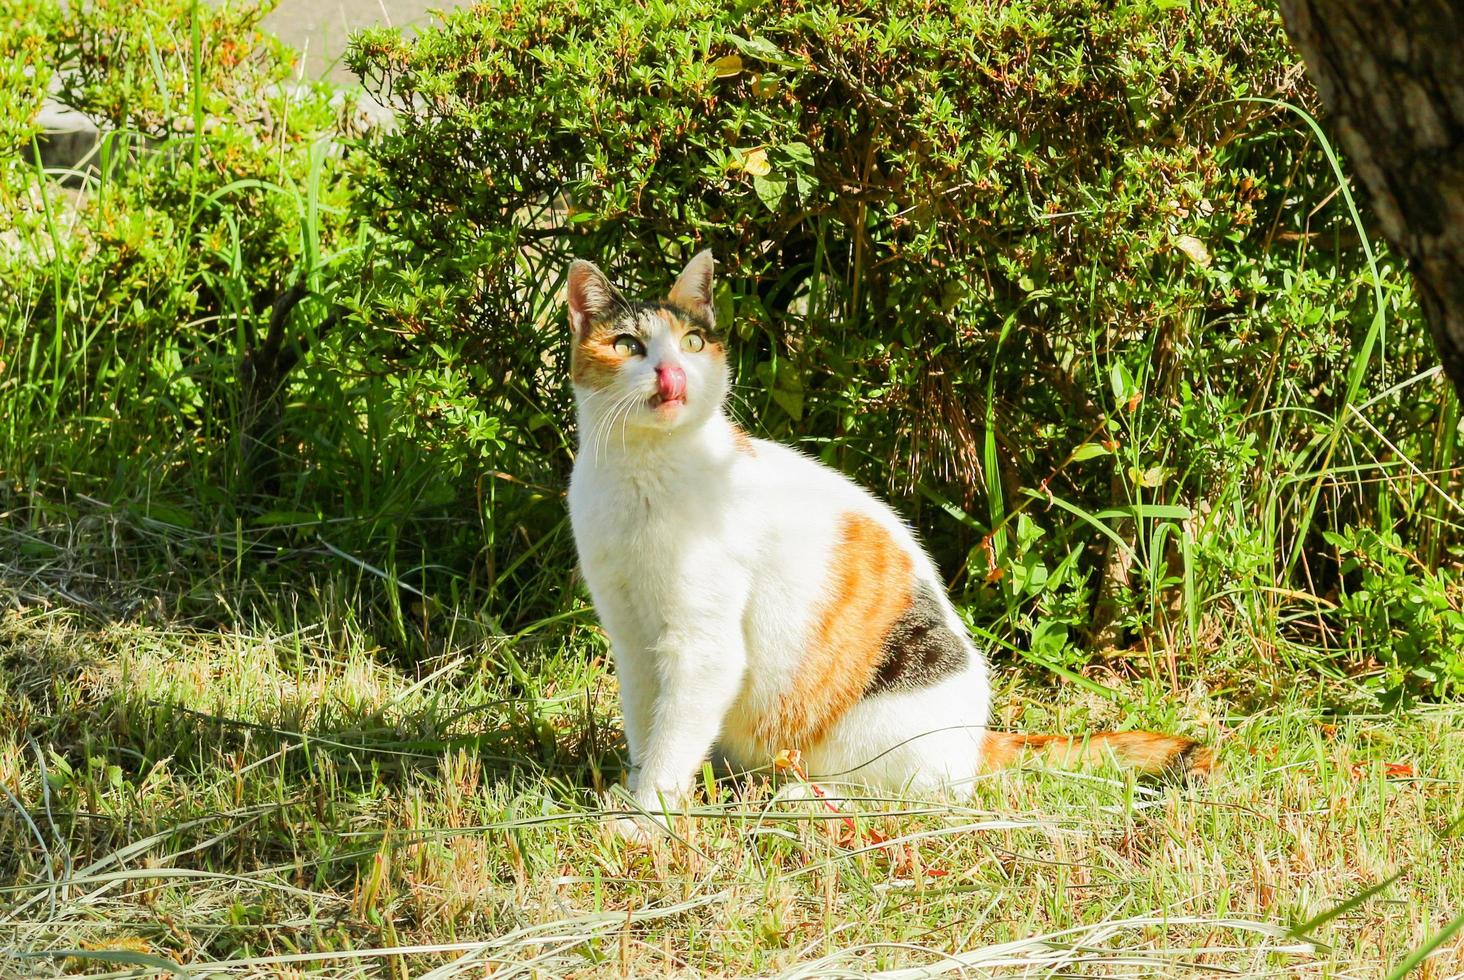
(279, 799)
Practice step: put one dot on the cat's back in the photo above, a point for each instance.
(850, 639)
(806, 506)
(790, 480)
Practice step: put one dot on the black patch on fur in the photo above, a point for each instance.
(626, 317)
(708, 329)
(920, 649)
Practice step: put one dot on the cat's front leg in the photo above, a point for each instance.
(635, 667)
(701, 672)
(638, 683)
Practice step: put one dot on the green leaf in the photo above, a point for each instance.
(1049, 637)
(1122, 381)
(782, 385)
(789, 401)
(1089, 450)
(765, 86)
(1029, 576)
(1028, 531)
(722, 303)
(798, 153)
(763, 50)
(1157, 512)
(770, 189)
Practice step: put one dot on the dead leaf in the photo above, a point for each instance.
(764, 86)
(756, 163)
(1194, 248)
(1153, 476)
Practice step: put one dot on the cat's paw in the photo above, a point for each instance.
(802, 792)
(637, 829)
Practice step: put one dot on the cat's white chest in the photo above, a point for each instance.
(633, 537)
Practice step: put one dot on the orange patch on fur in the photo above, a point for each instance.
(743, 441)
(1146, 752)
(593, 361)
(870, 588)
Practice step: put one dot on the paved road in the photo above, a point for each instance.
(320, 28)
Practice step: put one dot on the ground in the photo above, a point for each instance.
(270, 801)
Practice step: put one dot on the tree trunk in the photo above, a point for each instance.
(1391, 74)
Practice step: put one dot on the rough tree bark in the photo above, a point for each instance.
(1391, 75)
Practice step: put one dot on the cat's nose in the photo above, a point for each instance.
(670, 382)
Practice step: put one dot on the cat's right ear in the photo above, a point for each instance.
(591, 297)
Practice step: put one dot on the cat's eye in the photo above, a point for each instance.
(628, 346)
(693, 342)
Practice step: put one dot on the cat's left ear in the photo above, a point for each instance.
(591, 297)
(693, 289)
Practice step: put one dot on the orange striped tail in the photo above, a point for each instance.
(1146, 752)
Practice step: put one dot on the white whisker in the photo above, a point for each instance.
(600, 437)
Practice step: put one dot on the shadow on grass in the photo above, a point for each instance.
(301, 788)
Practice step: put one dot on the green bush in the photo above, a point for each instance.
(1073, 259)
(24, 73)
(1074, 283)
(189, 337)
(140, 365)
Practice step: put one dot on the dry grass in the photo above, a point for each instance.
(260, 803)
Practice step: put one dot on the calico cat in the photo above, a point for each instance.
(756, 600)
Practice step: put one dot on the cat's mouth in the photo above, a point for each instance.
(662, 403)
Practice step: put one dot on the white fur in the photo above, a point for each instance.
(707, 566)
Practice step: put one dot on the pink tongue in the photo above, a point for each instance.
(670, 382)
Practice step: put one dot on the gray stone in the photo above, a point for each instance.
(320, 30)
(68, 138)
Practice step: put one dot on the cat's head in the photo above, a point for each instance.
(649, 367)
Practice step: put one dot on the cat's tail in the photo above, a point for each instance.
(1146, 752)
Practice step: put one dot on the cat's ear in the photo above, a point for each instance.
(591, 297)
(693, 289)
